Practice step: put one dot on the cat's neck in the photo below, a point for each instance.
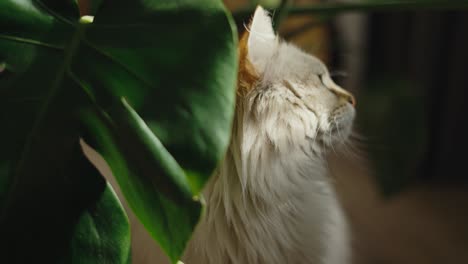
(265, 169)
(259, 215)
(276, 178)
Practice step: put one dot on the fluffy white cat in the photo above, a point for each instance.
(271, 201)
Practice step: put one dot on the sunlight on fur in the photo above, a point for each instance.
(271, 200)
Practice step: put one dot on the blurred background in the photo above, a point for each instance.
(404, 184)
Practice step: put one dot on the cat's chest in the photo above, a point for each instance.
(261, 231)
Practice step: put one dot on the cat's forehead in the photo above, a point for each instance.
(289, 62)
(298, 60)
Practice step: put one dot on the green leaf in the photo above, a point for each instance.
(182, 74)
(77, 219)
(102, 234)
(149, 84)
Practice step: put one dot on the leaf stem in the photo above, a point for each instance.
(55, 87)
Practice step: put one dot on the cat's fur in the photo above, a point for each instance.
(271, 201)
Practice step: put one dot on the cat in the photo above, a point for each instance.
(271, 200)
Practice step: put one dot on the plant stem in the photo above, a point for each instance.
(84, 7)
(334, 8)
(253, 3)
(281, 13)
(385, 6)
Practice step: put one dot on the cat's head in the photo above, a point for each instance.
(288, 92)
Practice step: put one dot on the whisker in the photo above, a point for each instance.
(359, 148)
(330, 141)
(317, 131)
(343, 140)
(357, 136)
(348, 148)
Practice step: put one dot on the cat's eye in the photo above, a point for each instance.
(323, 80)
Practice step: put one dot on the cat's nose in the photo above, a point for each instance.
(350, 98)
(343, 94)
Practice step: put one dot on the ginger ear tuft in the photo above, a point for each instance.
(247, 76)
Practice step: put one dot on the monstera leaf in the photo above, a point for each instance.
(149, 84)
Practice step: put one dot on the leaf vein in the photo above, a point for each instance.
(98, 236)
(31, 41)
(116, 61)
(51, 12)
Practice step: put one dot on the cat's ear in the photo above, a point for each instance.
(261, 40)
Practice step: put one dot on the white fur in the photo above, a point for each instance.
(271, 200)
